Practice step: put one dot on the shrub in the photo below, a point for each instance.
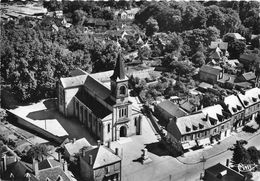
(249, 129)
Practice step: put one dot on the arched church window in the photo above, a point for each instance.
(122, 90)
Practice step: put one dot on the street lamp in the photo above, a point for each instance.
(203, 160)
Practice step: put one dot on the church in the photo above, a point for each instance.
(100, 101)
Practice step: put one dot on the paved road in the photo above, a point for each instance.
(192, 172)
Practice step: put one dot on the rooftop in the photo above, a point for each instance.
(192, 123)
(101, 156)
(249, 76)
(233, 104)
(210, 69)
(223, 173)
(250, 97)
(74, 147)
(172, 109)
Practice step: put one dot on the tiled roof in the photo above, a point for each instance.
(19, 169)
(78, 72)
(101, 156)
(233, 103)
(249, 76)
(227, 78)
(214, 172)
(119, 71)
(214, 112)
(48, 163)
(250, 97)
(92, 103)
(216, 53)
(172, 109)
(73, 81)
(210, 69)
(103, 76)
(236, 36)
(233, 62)
(53, 174)
(97, 88)
(192, 123)
(187, 106)
(247, 57)
(205, 85)
(75, 147)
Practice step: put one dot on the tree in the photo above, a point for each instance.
(38, 152)
(240, 154)
(257, 119)
(151, 26)
(255, 42)
(209, 99)
(198, 59)
(52, 5)
(254, 154)
(236, 48)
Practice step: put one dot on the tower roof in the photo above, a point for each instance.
(119, 71)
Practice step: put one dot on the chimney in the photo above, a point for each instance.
(227, 162)
(59, 156)
(65, 167)
(196, 108)
(90, 160)
(98, 142)
(109, 144)
(116, 151)
(73, 140)
(35, 167)
(207, 117)
(201, 107)
(4, 162)
(83, 152)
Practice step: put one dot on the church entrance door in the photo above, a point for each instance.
(123, 131)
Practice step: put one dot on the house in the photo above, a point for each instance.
(189, 129)
(226, 80)
(248, 76)
(216, 54)
(202, 128)
(236, 36)
(187, 106)
(233, 106)
(210, 74)
(52, 170)
(219, 121)
(83, 97)
(74, 147)
(167, 110)
(220, 172)
(234, 63)
(100, 163)
(249, 60)
(250, 99)
(220, 44)
(126, 14)
(19, 171)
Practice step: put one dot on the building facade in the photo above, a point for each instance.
(100, 164)
(209, 125)
(250, 99)
(210, 74)
(100, 102)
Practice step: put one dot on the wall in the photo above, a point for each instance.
(86, 171)
(113, 170)
(210, 78)
(69, 94)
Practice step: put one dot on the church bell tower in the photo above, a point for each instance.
(119, 82)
